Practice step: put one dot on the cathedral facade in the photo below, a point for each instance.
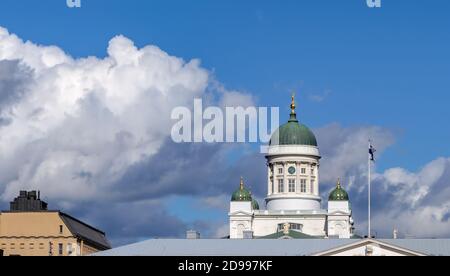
(293, 203)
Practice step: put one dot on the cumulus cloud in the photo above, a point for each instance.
(96, 130)
(76, 127)
(415, 203)
(345, 149)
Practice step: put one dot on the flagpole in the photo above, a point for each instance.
(369, 180)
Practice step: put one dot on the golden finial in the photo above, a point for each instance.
(242, 183)
(339, 183)
(293, 103)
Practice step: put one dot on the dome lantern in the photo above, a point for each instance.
(293, 132)
(242, 194)
(338, 194)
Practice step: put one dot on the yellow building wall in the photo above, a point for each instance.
(88, 250)
(36, 234)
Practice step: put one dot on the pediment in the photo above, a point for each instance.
(369, 247)
(240, 213)
(338, 213)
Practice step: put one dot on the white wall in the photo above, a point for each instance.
(236, 206)
(292, 202)
(313, 225)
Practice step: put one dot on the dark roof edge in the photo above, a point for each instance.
(98, 245)
(76, 234)
(79, 221)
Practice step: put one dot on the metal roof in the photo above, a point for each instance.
(85, 231)
(225, 247)
(432, 247)
(257, 247)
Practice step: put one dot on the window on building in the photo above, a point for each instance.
(297, 227)
(312, 186)
(303, 185)
(292, 226)
(280, 170)
(280, 227)
(60, 249)
(280, 186)
(292, 185)
(312, 171)
(61, 229)
(303, 170)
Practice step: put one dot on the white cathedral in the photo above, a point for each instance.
(293, 202)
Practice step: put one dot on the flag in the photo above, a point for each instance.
(372, 151)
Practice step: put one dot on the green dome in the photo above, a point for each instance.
(255, 205)
(338, 194)
(293, 133)
(241, 194)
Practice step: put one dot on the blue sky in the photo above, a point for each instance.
(351, 65)
(385, 66)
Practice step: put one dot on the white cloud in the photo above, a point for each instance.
(410, 188)
(345, 150)
(417, 203)
(79, 124)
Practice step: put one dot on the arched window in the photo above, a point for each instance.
(240, 231)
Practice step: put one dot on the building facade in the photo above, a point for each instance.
(29, 229)
(293, 202)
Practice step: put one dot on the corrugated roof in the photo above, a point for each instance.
(260, 247)
(85, 231)
(433, 247)
(223, 247)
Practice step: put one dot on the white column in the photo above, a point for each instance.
(285, 176)
(308, 182)
(316, 185)
(269, 188)
(275, 178)
(297, 177)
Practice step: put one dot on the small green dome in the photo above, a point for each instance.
(255, 205)
(338, 194)
(293, 133)
(241, 194)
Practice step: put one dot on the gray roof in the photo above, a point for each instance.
(225, 247)
(432, 247)
(259, 247)
(86, 232)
